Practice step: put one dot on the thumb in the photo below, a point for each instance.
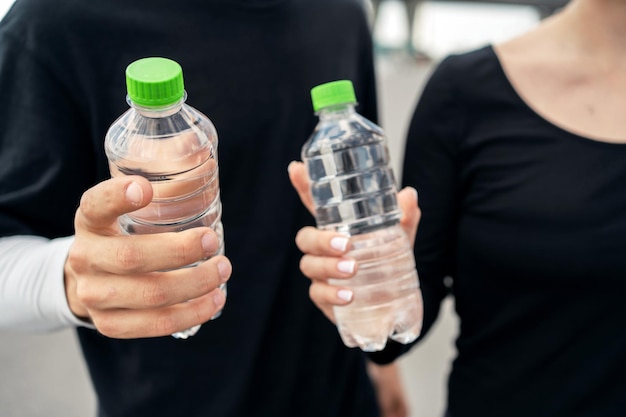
(300, 181)
(407, 200)
(101, 205)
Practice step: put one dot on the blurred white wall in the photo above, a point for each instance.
(4, 6)
(445, 27)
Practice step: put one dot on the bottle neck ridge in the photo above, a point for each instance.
(157, 112)
(338, 111)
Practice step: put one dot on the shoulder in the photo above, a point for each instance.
(458, 86)
(460, 76)
(466, 69)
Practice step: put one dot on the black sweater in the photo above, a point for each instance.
(530, 222)
(249, 66)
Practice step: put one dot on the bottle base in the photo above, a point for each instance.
(187, 333)
(370, 328)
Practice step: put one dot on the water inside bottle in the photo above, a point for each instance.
(387, 301)
(354, 191)
(181, 200)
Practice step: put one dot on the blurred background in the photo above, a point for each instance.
(44, 375)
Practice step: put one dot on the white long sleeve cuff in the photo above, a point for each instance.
(32, 287)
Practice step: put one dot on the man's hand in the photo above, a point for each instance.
(118, 282)
(325, 251)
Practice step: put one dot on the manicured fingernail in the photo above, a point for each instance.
(218, 298)
(414, 191)
(346, 266)
(134, 194)
(224, 269)
(291, 165)
(339, 243)
(345, 295)
(209, 243)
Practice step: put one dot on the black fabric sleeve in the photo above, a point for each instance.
(431, 166)
(43, 151)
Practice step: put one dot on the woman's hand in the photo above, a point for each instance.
(325, 252)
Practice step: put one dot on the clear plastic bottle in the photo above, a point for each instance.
(174, 146)
(354, 192)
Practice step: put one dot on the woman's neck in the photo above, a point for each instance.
(597, 27)
(570, 70)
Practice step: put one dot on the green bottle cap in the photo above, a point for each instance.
(332, 94)
(155, 82)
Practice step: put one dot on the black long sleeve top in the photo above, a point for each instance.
(529, 220)
(249, 65)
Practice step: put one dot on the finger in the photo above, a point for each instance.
(325, 296)
(322, 242)
(407, 200)
(123, 255)
(154, 290)
(300, 181)
(101, 205)
(322, 268)
(126, 324)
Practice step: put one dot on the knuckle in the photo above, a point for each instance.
(304, 266)
(182, 248)
(312, 291)
(129, 255)
(155, 296)
(317, 295)
(106, 326)
(301, 238)
(183, 252)
(208, 282)
(86, 294)
(86, 203)
(78, 258)
(165, 324)
(200, 314)
(205, 310)
(90, 201)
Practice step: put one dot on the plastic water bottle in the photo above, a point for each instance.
(354, 192)
(174, 146)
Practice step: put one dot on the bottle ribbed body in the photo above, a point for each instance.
(175, 148)
(354, 192)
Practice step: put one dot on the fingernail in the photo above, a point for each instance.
(209, 243)
(224, 270)
(414, 191)
(134, 194)
(339, 243)
(345, 295)
(218, 298)
(346, 266)
(291, 165)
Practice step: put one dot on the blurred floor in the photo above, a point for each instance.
(44, 375)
